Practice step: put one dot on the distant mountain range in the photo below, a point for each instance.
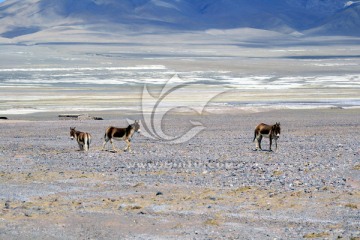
(21, 19)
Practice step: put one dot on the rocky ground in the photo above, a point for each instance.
(213, 186)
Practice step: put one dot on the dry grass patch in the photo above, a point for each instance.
(212, 222)
(277, 173)
(351, 205)
(241, 189)
(140, 184)
(356, 167)
(217, 220)
(317, 235)
(136, 207)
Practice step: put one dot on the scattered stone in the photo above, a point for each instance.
(28, 214)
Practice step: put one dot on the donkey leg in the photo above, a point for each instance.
(106, 139)
(113, 145)
(270, 144)
(258, 142)
(128, 148)
(256, 139)
(105, 142)
(88, 142)
(86, 147)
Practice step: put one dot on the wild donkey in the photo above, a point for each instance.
(82, 138)
(269, 131)
(121, 133)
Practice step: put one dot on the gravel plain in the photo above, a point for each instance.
(213, 186)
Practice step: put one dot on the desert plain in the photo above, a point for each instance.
(212, 186)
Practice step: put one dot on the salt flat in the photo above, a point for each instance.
(61, 77)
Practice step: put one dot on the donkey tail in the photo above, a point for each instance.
(106, 134)
(255, 133)
(89, 139)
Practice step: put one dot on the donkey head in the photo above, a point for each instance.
(136, 126)
(276, 129)
(72, 132)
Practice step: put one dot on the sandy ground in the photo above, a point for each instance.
(213, 186)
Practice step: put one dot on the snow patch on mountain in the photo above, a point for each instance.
(19, 18)
(349, 3)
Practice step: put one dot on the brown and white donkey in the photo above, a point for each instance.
(82, 138)
(121, 133)
(269, 131)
